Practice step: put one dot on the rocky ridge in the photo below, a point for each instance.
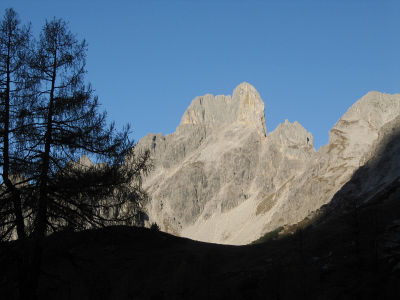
(221, 178)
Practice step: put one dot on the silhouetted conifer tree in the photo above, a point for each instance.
(49, 119)
(68, 126)
(14, 48)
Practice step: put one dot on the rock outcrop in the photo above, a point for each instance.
(221, 178)
(244, 107)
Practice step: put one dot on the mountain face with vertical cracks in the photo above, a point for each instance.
(222, 178)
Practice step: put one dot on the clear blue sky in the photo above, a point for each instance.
(310, 60)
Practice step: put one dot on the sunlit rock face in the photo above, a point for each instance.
(221, 178)
(351, 141)
(244, 107)
(379, 174)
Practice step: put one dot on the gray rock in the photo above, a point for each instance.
(245, 106)
(220, 178)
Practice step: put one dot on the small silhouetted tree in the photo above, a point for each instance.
(155, 227)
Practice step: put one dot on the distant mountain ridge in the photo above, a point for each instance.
(222, 178)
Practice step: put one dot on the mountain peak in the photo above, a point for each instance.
(244, 106)
(245, 87)
(250, 106)
(85, 161)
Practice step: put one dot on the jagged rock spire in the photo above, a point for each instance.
(244, 106)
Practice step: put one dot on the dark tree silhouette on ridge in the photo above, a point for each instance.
(49, 121)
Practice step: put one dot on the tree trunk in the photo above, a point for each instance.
(16, 197)
(41, 218)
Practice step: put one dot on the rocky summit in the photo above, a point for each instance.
(222, 178)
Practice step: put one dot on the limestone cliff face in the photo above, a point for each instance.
(221, 178)
(351, 141)
(245, 106)
(379, 174)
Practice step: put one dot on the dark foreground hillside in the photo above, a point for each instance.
(349, 250)
(338, 259)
